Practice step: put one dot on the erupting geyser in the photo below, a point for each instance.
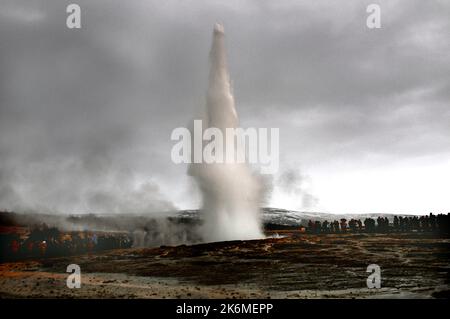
(230, 191)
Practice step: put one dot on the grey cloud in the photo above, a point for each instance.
(96, 106)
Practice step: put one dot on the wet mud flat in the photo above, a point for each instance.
(413, 265)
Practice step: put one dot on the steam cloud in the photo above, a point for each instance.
(70, 187)
(230, 192)
(293, 182)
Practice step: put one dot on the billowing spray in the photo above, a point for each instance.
(230, 192)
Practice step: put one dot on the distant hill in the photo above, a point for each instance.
(277, 218)
(283, 217)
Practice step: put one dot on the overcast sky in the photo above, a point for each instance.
(86, 115)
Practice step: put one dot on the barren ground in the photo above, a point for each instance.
(296, 266)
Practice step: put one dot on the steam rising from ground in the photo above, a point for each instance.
(229, 190)
(144, 230)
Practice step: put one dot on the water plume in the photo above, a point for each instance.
(230, 192)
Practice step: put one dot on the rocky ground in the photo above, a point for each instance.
(294, 266)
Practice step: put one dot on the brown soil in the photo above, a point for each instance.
(296, 266)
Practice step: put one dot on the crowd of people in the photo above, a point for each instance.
(428, 223)
(44, 241)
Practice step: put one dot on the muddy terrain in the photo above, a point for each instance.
(294, 265)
